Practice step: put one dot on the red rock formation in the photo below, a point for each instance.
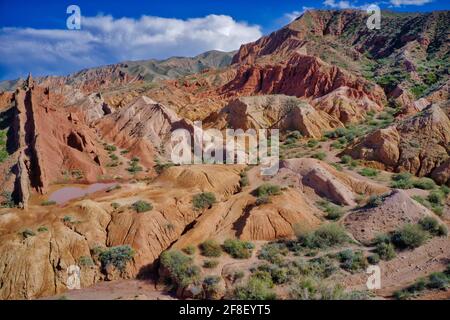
(419, 144)
(49, 144)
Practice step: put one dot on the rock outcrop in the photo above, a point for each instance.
(396, 210)
(273, 112)
(327, 181)
(47, 144)
(418, 144)
(143, 128)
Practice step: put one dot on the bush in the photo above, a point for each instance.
(327, 235)
(333, 212)
(312, 143)
(424, 183)
(8, 201)
(115, 205)
(311, 288)
(262, 200)
(402, 184)
(429, 224)
(368, 172)
(346, 159)
(42, 229)
(374, 201)
(204, 200)
(210, 248)
(273, 252)
(402, 181)
(352, 261)
(110, 148)
(409, 237)
(48, 203)
(210, 264)
(255, 289)
(68, 219)
(435, 198)
(438, 280)
(385, 251)
(374, 258)
(182, 270)
(267, 189)
(319, 155)
(27, 233)
(210, 285)
(238, 249)
(243, 182)
(117, 256)
(142, 206)
(85, 261)
(190, 249)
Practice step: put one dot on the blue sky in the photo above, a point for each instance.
(34, 37)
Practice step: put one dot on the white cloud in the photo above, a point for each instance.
(104, 40)
(338, 4)
(399, 3)
(291, 16)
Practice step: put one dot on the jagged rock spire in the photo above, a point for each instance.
(29, 82)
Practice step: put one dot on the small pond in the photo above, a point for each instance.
(66, 194)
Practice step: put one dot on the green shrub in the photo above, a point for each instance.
(385, 251)
(311, 288)
(346, 159)
(68, 219)
(352, 260)
(255, 289)
(110, 148)
(115, 205)
(204, 200)
(262, 200)
(160, 167)
(374, 258)
(435, 198)
(295, 134)
(319, 155)
(27, 233)
(410, 236)
(210, 248)
(48, 203)
(401, 176)
(8, 201)
(267, 189)
(429, 224)
(117, 256)
(273, 252)
(142, 206)
(243, 182)
(438, 280)
(181, 268)
(402, 181)
(312, 143)
(382, 238)
(327, 235)
(402, 184)
(134, 168)
(210, 264)
(238, 249)
(85, 261)
(374, 201)
(368, 172)
(42, 229)
(333, 212)
(190, 249)
(210, 285)
(424, 183)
